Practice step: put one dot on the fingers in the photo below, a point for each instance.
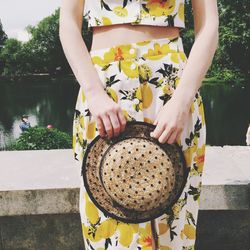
(100, 127)
(115, 124)
(157, 131)
(122, 120)
(111, 124)
(107, 125)
(168, 134)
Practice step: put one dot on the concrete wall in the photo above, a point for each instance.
(39, 196)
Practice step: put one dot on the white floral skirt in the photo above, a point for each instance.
(142, 77)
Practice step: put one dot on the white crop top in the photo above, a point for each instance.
(150, 12)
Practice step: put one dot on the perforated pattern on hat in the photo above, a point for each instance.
(137, 174)
(133, 177)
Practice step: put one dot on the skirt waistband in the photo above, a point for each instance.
(136, 50)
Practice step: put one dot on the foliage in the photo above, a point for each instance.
(41, 138)
(3, 38)
(44, 53)
(3, 35)
(233, 53)
(14, 58)
(230, 62)
(46, 46)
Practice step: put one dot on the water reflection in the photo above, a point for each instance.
(49, 101)
(46, 102)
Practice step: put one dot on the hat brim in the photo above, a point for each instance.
(93, 184)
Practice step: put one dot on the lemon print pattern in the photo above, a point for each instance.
(136, 12)
(142, 77)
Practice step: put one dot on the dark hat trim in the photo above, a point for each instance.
(135, 219)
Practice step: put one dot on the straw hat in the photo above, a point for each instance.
(133, 177)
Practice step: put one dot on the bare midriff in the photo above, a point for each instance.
(112, 35)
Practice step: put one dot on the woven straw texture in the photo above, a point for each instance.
(133, 177)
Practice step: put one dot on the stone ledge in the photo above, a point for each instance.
(66, 200)
(31, 180)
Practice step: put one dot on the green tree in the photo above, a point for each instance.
(46, 47)
(233, 53)
(231, 57)
(3, 38)
(3, 35)
(13, 58)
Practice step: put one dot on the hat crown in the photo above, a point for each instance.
(137, 174)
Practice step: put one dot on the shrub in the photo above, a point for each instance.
(41, 138)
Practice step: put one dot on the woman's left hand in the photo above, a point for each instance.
(170, 121)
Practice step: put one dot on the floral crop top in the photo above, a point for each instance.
(151, 12)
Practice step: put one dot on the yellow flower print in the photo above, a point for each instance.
(129, 68)
(188, 153)
(174, 57)
(120, 11)
(183, 56)
(91, 211)
(201, 108)
(99, 231)
(181, 11)
(126, 233)
(192, 108)
(145, 237)
(165, 248)
(158, 52)
(167, 90)
(106, 21)
(145, 72)
(91, 129)
(74, 142)
(163, 228)
(177, 81)
(125, 55)
(143, 43)
(90, 233)
(177, 207)
(115, 53)
(147, 95)
(83, 96)
(119, 53)
(148, 120)
(138, 93)
(126, 114)
(199, 158)
(106, 229)
(81, 121)
(189, 231)
(99, 61)
(81, 138)
(160, 7)
(112, 93)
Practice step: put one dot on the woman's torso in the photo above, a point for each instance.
(107, 36)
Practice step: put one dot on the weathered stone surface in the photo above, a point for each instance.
(41, 232)
(223, 230)
(39, 200)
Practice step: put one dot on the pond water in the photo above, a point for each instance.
(52, 101)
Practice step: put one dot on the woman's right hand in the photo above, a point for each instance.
(108, 114)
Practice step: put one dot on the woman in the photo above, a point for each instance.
(137, 70)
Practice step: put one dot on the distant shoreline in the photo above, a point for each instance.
(38, 76)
